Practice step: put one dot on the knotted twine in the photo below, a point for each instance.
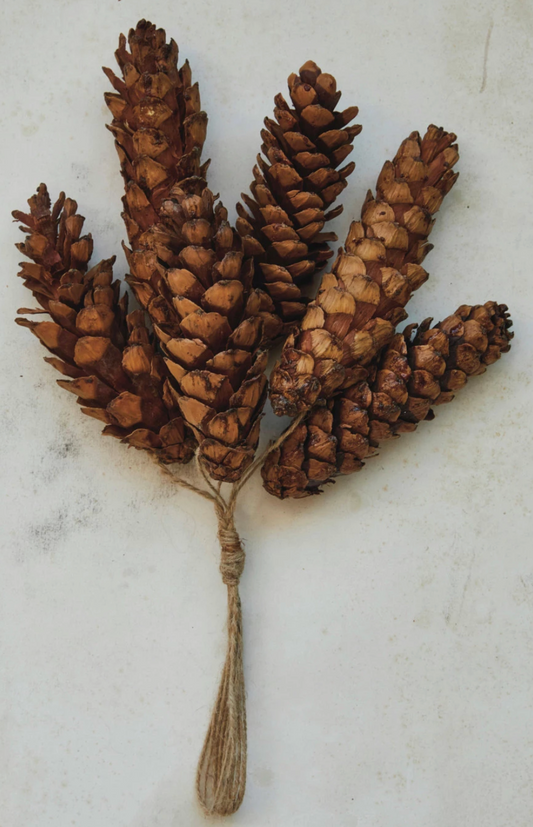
(221, 773)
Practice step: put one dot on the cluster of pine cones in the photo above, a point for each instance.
(216, 297)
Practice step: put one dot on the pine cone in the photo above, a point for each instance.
(108, 356)
(291, 193)
(187, 266)
(414, 373)
(211, 324)
(361, 301)
(159, 131)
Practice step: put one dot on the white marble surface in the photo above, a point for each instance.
(389, 622)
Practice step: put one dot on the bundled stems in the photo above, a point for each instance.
(221, 773)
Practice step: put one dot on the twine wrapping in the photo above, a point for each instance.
(221, 774)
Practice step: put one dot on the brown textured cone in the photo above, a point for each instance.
(187, 267)
(158, 124)
(413, 374)
(159, 131)
(211, 323)
(362, 299)
(293, 190)
(108, 356)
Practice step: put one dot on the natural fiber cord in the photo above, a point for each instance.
(221, 774)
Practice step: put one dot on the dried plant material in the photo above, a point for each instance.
(159, 131)
(422, 367)
(212, 325)
(362, 299)
(158, 124)
(282, 225)
(216, 298)
(108, 356)
(187, 266)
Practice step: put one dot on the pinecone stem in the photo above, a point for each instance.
(261, 459)
(221, 774)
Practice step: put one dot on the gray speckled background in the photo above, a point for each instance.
(388, 623)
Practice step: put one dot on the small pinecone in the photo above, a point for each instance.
(158, 124)
(159, 132)
(413, 375)
(293, 191)
(212, 323)
(108, 356)
(362, 299)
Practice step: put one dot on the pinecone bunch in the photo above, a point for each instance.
(216, 297)
(184, 375)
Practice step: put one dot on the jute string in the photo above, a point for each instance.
(221, 773)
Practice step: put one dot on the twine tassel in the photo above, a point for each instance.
(221, 774)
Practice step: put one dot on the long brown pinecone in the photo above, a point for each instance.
(107, 355)
(414, 373)
(292, 193)
(362, 299)
(187, 266)
(159, 131)
(212, 330)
